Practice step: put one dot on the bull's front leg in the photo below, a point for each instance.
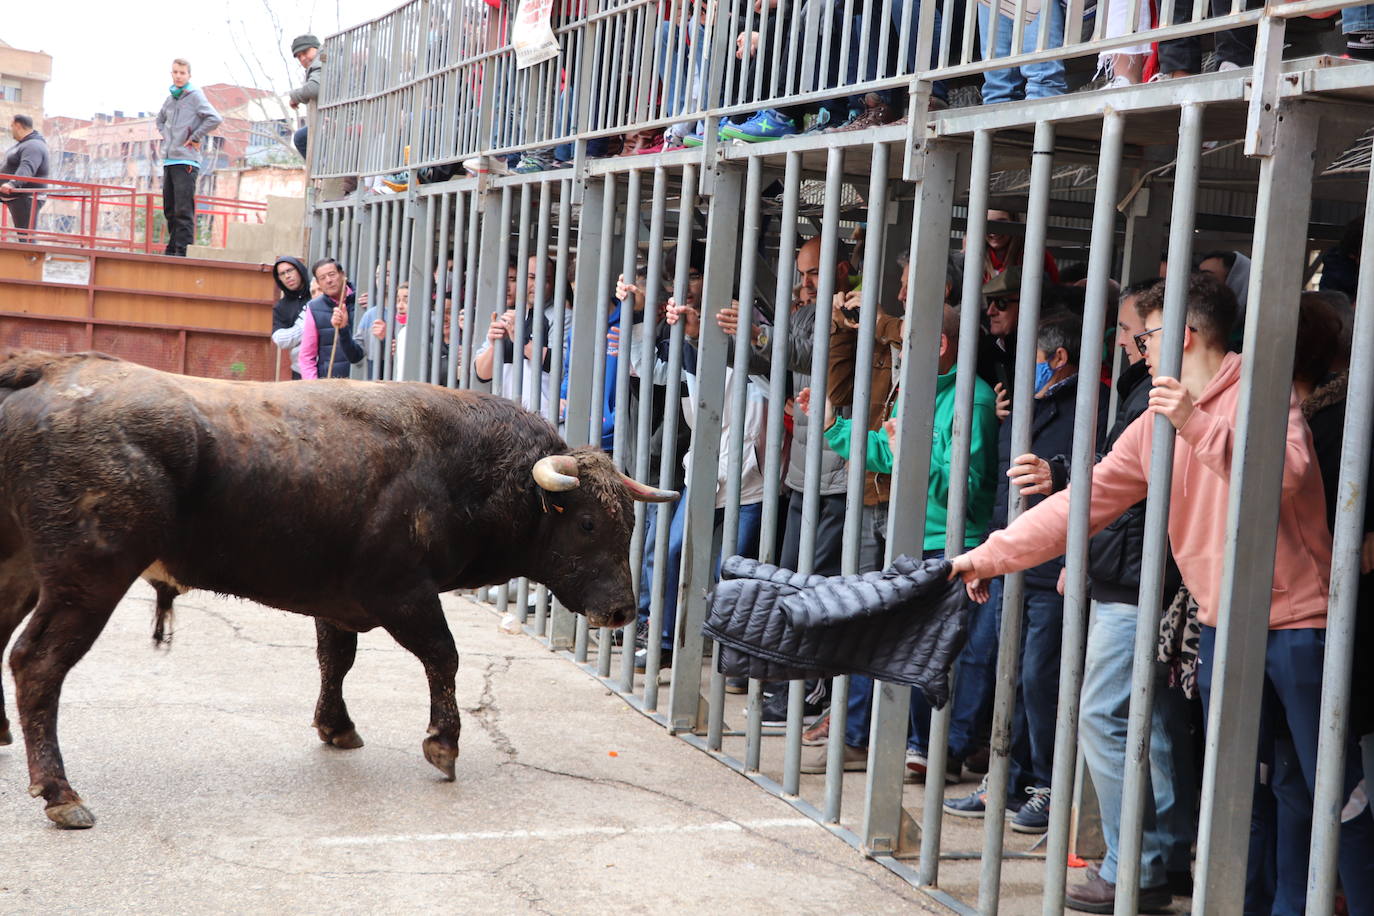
(336, 649)
(418, 625)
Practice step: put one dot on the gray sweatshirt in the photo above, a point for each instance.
(183, 121)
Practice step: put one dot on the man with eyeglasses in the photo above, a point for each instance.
(1201, 404)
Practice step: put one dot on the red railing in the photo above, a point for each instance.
(85, 215)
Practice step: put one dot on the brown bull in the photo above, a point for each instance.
(354, 503)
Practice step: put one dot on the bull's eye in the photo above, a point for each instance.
(588, 525)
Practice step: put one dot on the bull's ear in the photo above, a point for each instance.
(556, 473)
(646, 494)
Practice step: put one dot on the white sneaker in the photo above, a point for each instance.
(1117, 82)
(1227, 65)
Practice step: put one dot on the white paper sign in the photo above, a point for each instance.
(59, 268)
(532, 35)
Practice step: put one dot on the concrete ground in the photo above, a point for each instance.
(213, 794)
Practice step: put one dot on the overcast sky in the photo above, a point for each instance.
(110, 56)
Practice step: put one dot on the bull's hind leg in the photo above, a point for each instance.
(18, 593)
(418, 625)
(336, 649)
(64, 625)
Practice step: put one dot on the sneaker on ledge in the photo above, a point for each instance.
(768, 124)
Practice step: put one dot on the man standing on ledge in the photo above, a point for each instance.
(184, 121)
(28, 156)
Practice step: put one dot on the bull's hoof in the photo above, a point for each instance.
(348, 740)
(5, 736)
(71, 815)
(442, 756)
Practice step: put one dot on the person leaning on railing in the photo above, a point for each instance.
(1201, 404)
(28, 157)
(306, 50)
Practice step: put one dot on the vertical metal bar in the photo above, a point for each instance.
(471, 279)
(600, 288)
(1155, 546)
(926, 272)
(777, 396)
(422, 291)
(1333, 737)
(644, 430)
(858, 451)
(1285, 196)
(539, 337)
(621, 418)
(522, 298)
(653, 645)
(739, 403)
(1008, 652)
(811, 497)
(562, 624)
(588, 334)
(1076, 599)
(386, 364)
(709, 407)
(456, 279)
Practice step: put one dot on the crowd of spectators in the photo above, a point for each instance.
(315, 313)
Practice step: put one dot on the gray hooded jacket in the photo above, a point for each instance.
(183, 121)
(309, 90)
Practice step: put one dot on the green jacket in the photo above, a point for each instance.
(982, 460)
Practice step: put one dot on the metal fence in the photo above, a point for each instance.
(438, 81)
(722, 229)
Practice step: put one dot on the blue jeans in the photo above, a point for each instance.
(1289, 712)
(977, 677)
(1169, 824)
(298, 138)
(681, 76)
(1357, 19)
(746, 544)
(1032, 81)
(1037, 698)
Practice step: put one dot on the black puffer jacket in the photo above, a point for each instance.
(905, 624)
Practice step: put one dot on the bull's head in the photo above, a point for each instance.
(591, 519)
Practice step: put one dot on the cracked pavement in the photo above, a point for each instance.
(213, 793)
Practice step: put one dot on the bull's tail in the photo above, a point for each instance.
(164, 615)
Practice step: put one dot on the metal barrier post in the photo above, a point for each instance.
(667, 470)
(1076, 599)
(696, 568)
(1285, 196)
(1013, 589)
(857, 471)
(926, 272)
(1155, 548)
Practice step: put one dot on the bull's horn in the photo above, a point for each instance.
(556, 473)
(645, 493)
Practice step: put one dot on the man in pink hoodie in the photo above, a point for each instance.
(1201, 405)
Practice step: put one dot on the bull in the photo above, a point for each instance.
(355, 503)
